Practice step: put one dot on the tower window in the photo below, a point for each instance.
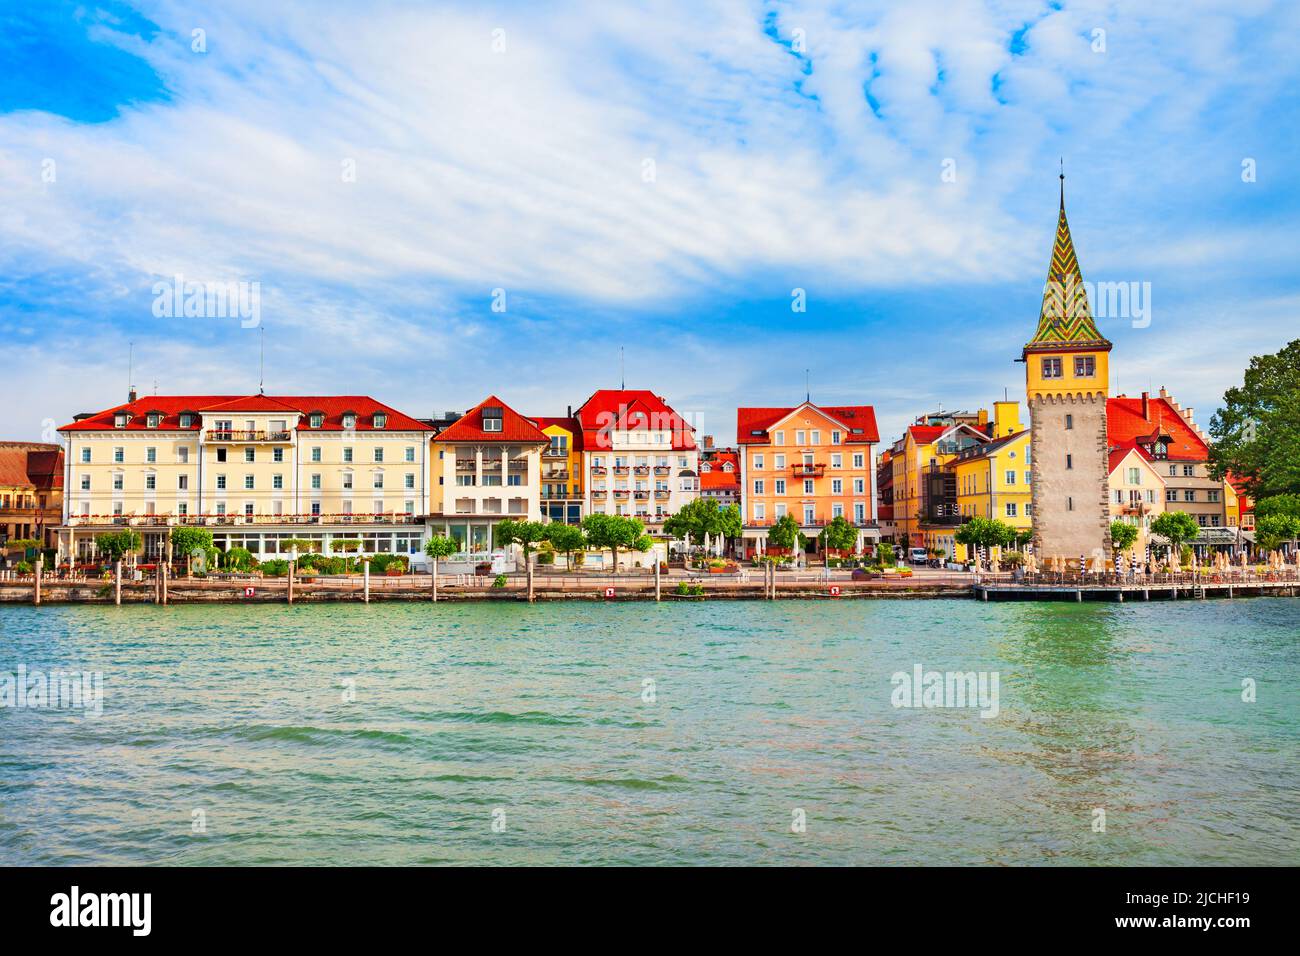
(1085, 366)
(1051, 368)
(1069, 421)
(1069, 461)
(1069, 504)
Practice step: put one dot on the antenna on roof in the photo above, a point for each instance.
(622, 372)
(261, 361)
(130, 371)
(807, 388)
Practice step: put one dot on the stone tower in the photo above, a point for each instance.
(1066, 381)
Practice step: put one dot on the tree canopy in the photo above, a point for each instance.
(565, 538)
(440, 546)
(526, 534)
(1257, 431)
(839, 535)
(785, 533)
(118, 544)
(1177, 527)
(615, 532)
(985, 533)
(1273, 529)
(1122, 535)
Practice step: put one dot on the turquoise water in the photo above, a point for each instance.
(759, 709)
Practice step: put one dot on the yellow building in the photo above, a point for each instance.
(561, 469)
(257, 469)
(923, 495)
(1137, 493)
(992, 479)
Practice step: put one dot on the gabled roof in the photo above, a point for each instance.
(514, 427)
(332, 407)
(33, 465)
(858, 422)
(1125, 427)
(1065, 318)
(976, 452)
(714, 475)
(571, 425)
(1117, 456)
(629, 409)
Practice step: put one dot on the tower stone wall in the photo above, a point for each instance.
(1070, 479)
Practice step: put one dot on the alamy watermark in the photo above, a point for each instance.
(177, 299)
(946, 689)
(1109, 300)
(53, 690)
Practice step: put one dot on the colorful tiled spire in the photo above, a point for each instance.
(1065, 318)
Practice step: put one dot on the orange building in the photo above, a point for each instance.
(815, 463)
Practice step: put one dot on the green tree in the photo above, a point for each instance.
(348, 546)
(985, 533)
(839, 535)
(785, 534)
(1177, 527)
(566, 538)
(1278, 505)
(730, 525)
(1257, 431)
(239, 559)
(526, 534)
(1122, 537)
(1273, 530)
(190, 541)
(1024, 536)
(118, 544)
(437, 547)
(613, 532)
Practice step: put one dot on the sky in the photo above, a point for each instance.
(438, 201)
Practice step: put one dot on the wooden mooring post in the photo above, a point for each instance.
(117, 582)
(365, 579)
(36, 580)
(658, 595)
(292, 563)
(529, 567)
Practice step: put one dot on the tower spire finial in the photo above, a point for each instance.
(1062, 182)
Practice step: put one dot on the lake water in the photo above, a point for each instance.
(233, 721)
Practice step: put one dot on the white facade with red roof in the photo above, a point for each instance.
(258, 469)
(639, 456)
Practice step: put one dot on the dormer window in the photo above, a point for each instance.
(380, 420)
(349, 419)
(706, 468)
(120, 420)
(493, 419)
(728, 466)
(154, 419)
(186, 420)
(317, 419)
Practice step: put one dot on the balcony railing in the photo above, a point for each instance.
(518, 464)
(663, 470)
(642, 469)
(661, 495)
(620, 469)
(162, 521)
(642, 495)
(466, 464)
(598, 470)
(801, 470)
(561, 474)
(621, 494)
(244, 435)
(553, 453)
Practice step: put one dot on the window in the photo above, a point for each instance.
(409, 481)
(379, 480)
(317, 419)
(250, 454)
(277, 482)
(1029, 510)
(1135, 476)
(807, 486)
(182, 482)
(349, 420)
(120, 420)
(837, 510)
(277, 454)
(248, 508)
(248, 482)
(182, 509)
(85, 482)
(860, 513)
(778, 486)
(315, 508)
(183, 454)
(410, 453)
(221, 507)
(1069, 504)
(1189, 471)
(801, 437)
(778, 462)
(1069, 461)
(859, 486)
(380, 420)
(1173, 471)
(837, 461)
(1085, 366)
(221, 482)
(119, 454)
(409, 507)
(347, 481)
(347, 455)
(221, 454)
(1011, 478)
(759, 511)
(315, 453)
(1028, 477)
(809, 515)
(85, 456)
(315, 482)
(1189, 495)
(780, 438)
(493, 420)
(187, 420)
(1011, 509)
(858, 460)
(379, 453)
(1171, 495)
(758, 486)
(1150, 496)
(1051, 368)
(151, 455)
(815, 438)
(837, 486)
(835, 438)
(1213, 494)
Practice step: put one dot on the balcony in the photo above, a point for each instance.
(559, 474)
(620, 494)
(466, 464)
(800, 470)
(560, 454)
(243, 436)
(663, 471)
(518, 464)
(621, 469)
(661, 495)
(598, 470)
(642, 495)
(641, 470)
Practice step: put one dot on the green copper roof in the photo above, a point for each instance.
(1065, 318)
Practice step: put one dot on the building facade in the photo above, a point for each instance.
(487, 467)
(639, 456)
(1137, 491)
(720, 474)
(926, 511)
(813, 462)
(1066, 382)
(993, 479)
(31, 492)
(562, 497)
(256, 469)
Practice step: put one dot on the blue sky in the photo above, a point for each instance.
(794, 145)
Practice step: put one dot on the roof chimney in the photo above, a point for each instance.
(1146, 406)
(131, 396)
(708, 441)
(570, 413)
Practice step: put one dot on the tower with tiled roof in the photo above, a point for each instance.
(1066, 379)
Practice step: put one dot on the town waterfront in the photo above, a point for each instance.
(540, 719)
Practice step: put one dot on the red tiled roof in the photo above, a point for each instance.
(861, 417)
(924, 434)
(627, 409)
(1125, 426)
(31, 465)
(573, 426)
(514, 427)
(717, 478)
(332, 407)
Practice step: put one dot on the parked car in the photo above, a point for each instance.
(918, 555)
